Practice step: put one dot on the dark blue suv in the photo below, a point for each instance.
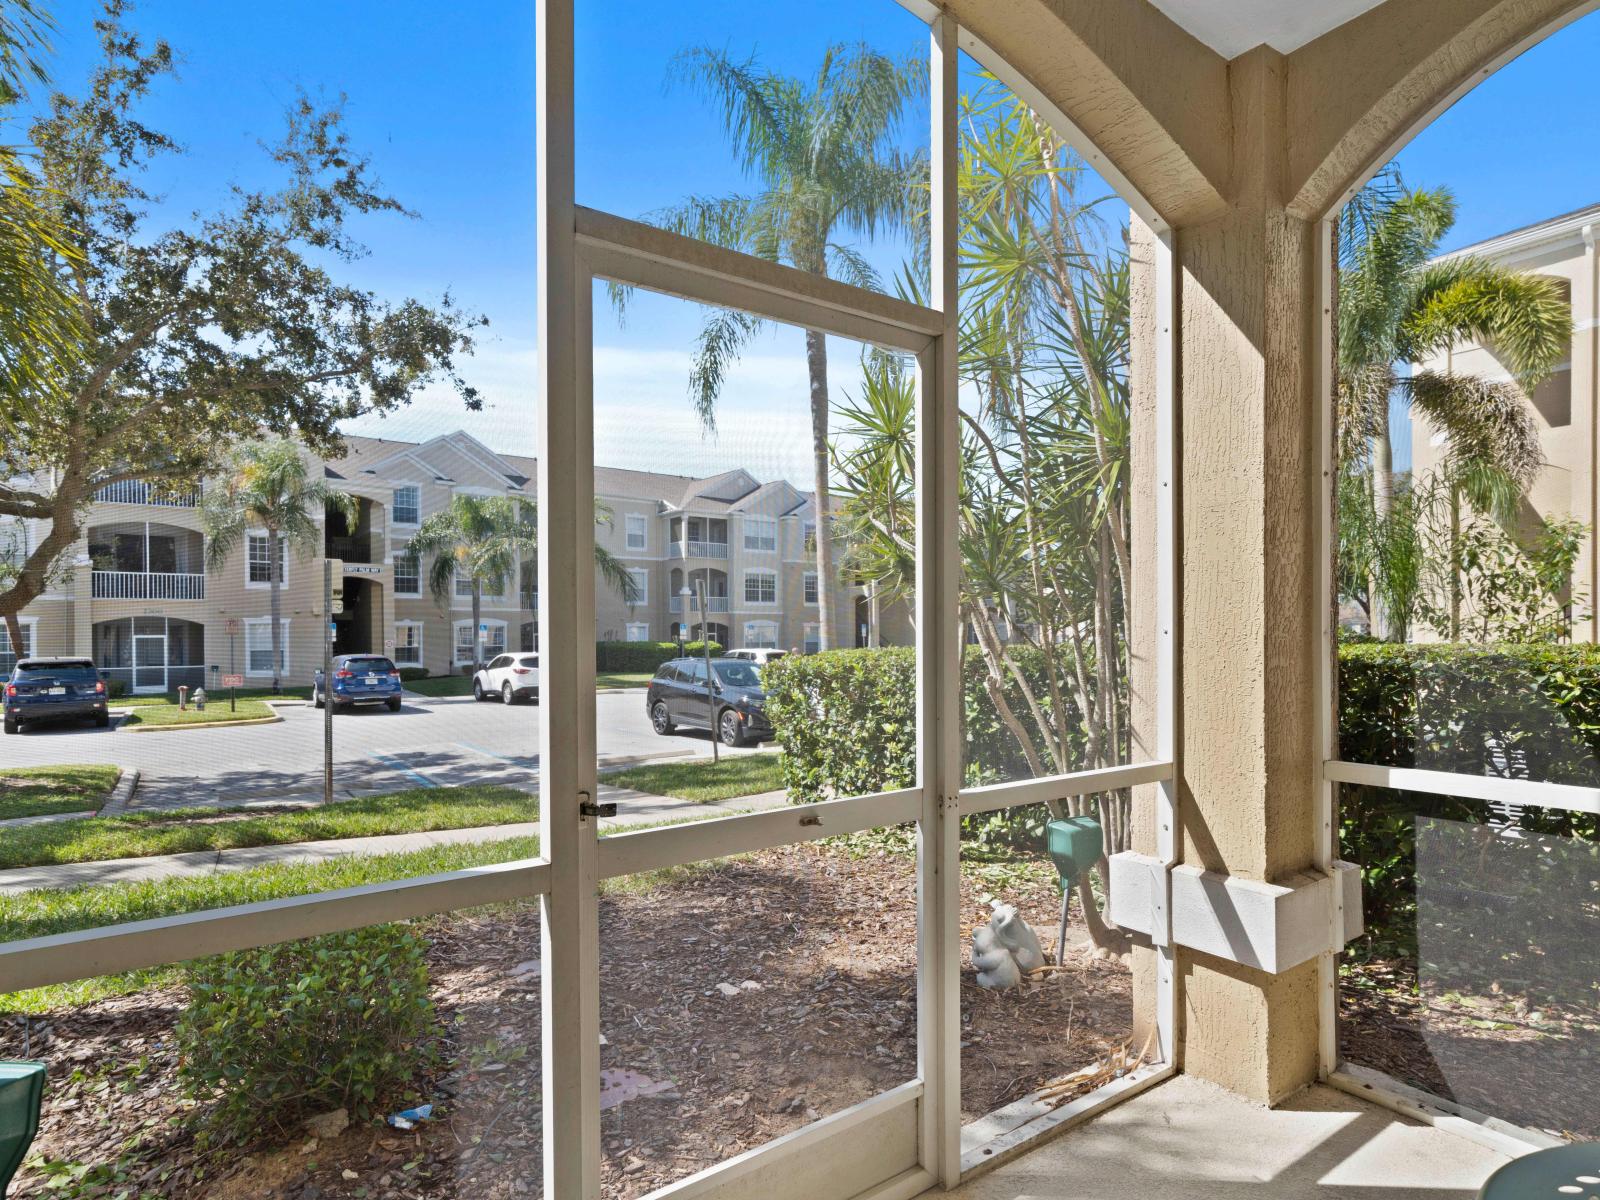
(360, 679)
(50, 689)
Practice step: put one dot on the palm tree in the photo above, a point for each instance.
(823, 154)
(482, 538)
(267, 485)
(1396, 305)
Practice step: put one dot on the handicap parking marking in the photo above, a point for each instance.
(398, 765)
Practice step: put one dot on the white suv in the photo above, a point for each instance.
(760, 657)
(511, 677)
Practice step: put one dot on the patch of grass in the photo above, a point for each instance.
(701, 781)
(442, 685)
(134, 835)
(623, 679)
(39, 791)
(171, 714)
(213, 696)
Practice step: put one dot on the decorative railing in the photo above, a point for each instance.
(713, 604)
(147, 585)
(697, 549)
(137, 491)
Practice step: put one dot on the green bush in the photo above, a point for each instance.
(847, 720)
(276, 1034)
(636, 657)
(1476, 710)
(411, 674)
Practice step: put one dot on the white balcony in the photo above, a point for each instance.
(137, 491)
(714, 604)
(697, 549)
(147, 585)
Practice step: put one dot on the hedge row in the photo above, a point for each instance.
(847, 721)
(643, 656)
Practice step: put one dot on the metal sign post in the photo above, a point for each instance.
(711, 680)
(327, 681)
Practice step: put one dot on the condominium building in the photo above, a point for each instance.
(137, 594)
(1565, 406)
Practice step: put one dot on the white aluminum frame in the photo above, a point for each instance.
(906, 1140)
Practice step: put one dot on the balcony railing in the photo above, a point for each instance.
(137, 491)
(356, 548)
(714, 604)
(697, 549)
(147, 585)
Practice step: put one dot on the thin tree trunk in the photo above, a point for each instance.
(477, 624)
(274, 606)
(1455, 563)
(1382, 507)
(817, 365)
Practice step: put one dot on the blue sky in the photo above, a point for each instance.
(442, 100)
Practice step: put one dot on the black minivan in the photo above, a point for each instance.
(733, 706)
(51, 689)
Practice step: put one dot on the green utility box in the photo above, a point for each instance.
(1075, 845)
(21, 1094)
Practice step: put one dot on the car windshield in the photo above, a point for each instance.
(368, 665)
(60, 672)
(738, 674)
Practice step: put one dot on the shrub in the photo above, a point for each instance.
(411, 674)
(276, 1034)
(635, 657)
(116, 689)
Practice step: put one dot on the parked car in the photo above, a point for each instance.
(360, 679)
(731, 703)
(761, 657)
(51, 689)
(511, 677)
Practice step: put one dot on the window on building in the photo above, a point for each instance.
(408, 643)
(638, 531)
(809, 537)
(641, 585)
(760, 587)
(256, 558)
(8, 657)
(529, 639)
(810, 581)
(258, 646)
(813, 640)
(491, 589)
(407, 575)
(761, 635)
(638, 631)
(760, 533)
(467, 640)
(407, 506)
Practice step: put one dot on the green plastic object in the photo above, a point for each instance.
(1075, 845)
(1554, 1174)
(21, 1094)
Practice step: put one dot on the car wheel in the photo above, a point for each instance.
(394, 704)
(507, 695)
(12, 726)
(660, 719)
(103, 721)
(477, 691)
(316, 698)
(730, 729)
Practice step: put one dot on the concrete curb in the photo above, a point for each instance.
(272, 720)
(122, 794)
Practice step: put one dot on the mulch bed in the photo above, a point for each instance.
(1527, 1062)
(817, 948)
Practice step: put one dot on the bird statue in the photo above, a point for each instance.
(1005, 949)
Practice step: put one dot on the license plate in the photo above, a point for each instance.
(371, 679)
(60, 691)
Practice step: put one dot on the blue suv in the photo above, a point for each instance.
(49, 689)
(360, 679)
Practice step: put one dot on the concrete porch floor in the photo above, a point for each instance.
(1193, 1140)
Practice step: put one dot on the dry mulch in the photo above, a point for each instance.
(1511, 1056)
(818, 946)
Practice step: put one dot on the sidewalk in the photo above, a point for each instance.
(634, 808)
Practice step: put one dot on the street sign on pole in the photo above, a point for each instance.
(232, 681)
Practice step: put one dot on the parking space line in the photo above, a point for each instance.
(396, 764)
(527, 760)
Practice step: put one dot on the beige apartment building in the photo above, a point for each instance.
(1565, 406)
(135, 591)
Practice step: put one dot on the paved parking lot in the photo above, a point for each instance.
(443, 742)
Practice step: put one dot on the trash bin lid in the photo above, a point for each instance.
(21, 1094)
(1557, 1173)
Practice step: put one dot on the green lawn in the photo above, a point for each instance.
(37, 791)
(213, 697)
(216, 710)
(623, 679)
(137, 834)
(736, 775)
(442, 685)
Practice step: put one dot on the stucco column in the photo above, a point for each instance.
(1249, 588)
(1585, 383)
